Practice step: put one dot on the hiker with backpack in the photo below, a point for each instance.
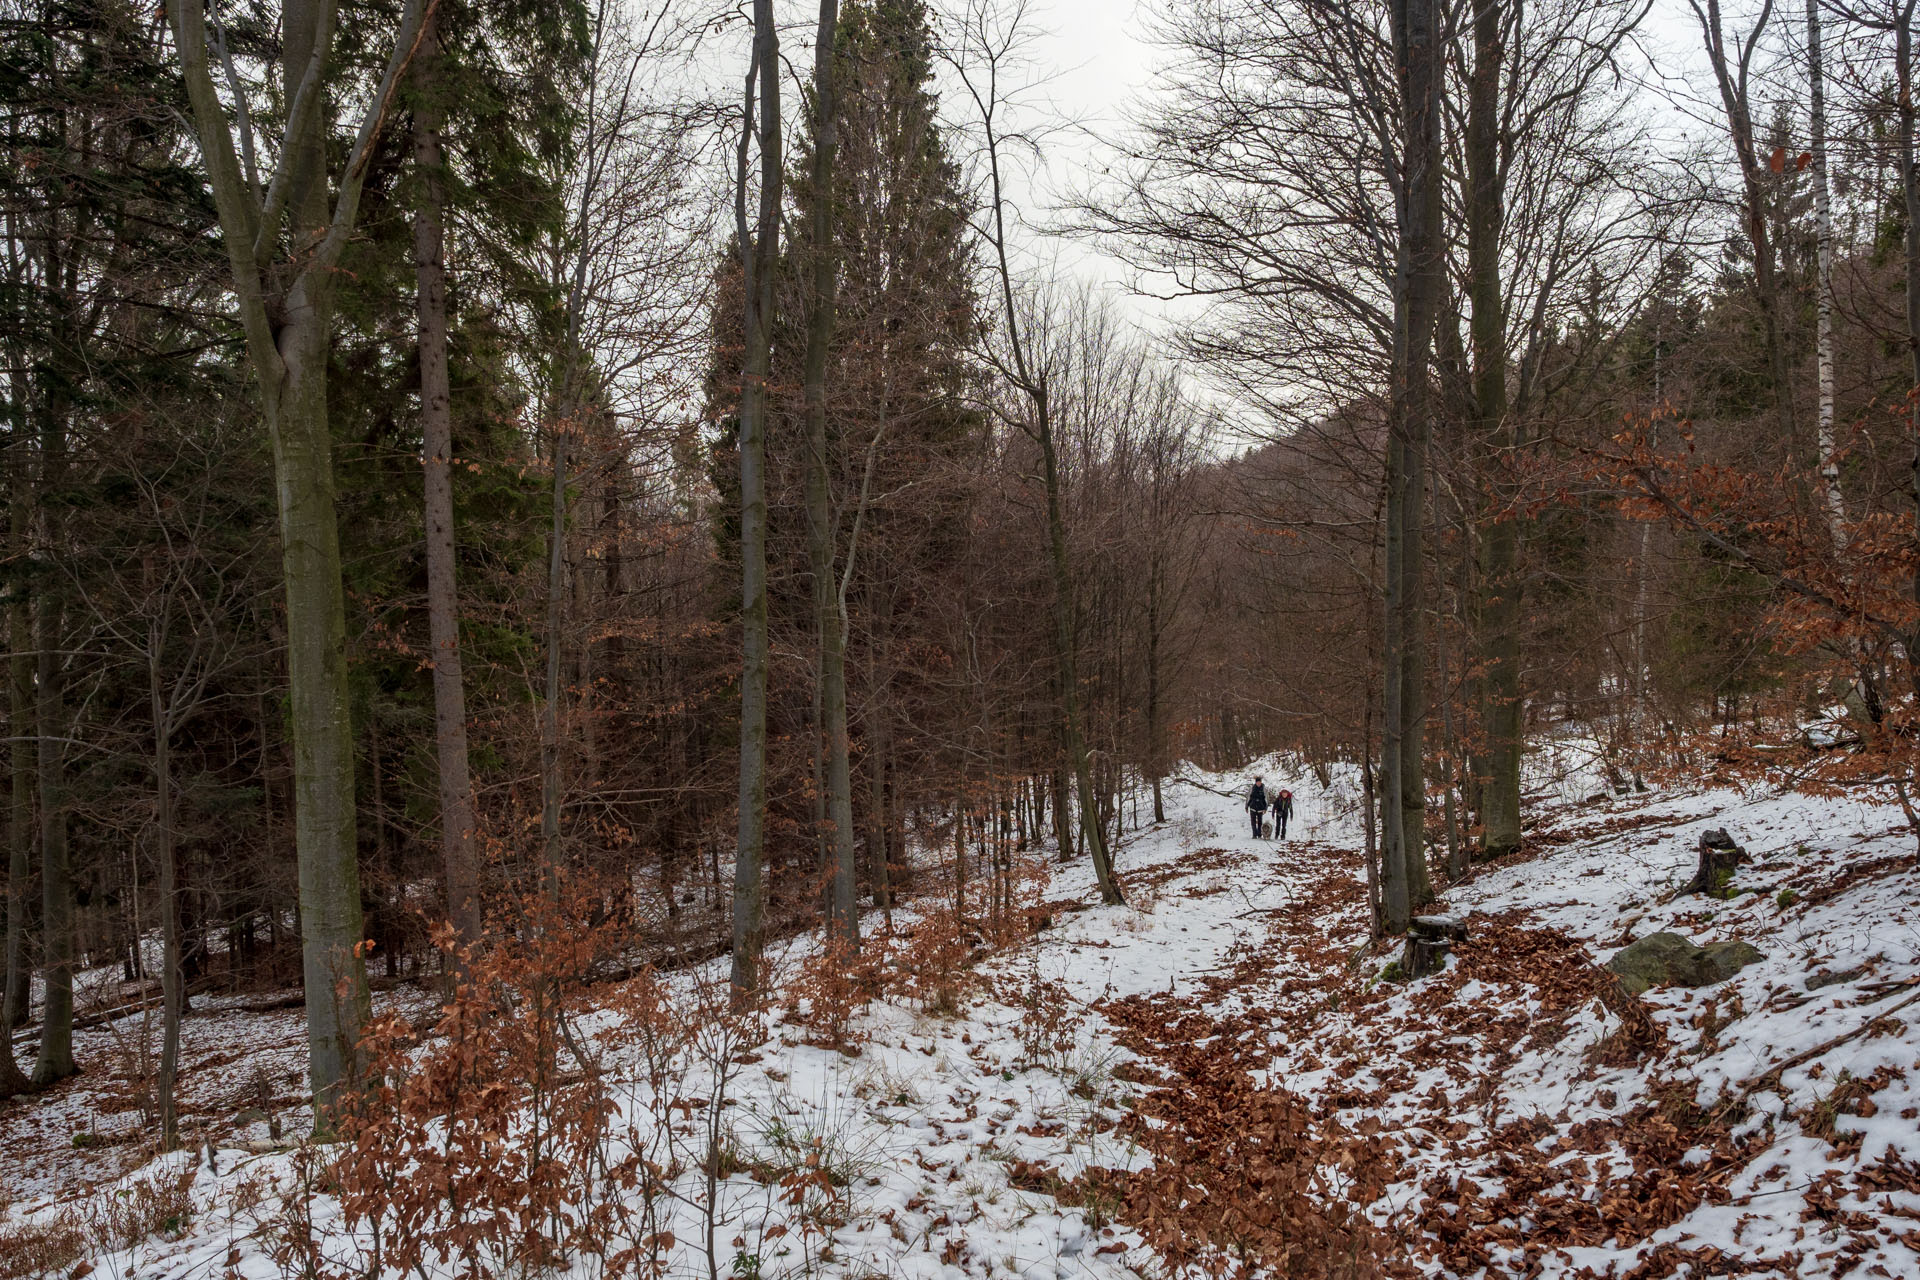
(1257, 805)
(1282, 810)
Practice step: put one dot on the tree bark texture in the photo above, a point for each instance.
(1825, 440)
(284, 239)
(1503, 716)
(822, 533)
(458, 845)
(759, 251)
(1420, 284)
(20, 719)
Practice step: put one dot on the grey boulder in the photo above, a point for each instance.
(1667, 959)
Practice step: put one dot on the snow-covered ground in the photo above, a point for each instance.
(1513, 1124)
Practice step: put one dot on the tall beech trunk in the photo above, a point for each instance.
(759, 259)
(1419, 286)
(285, 233)
(1503, 714)
(57, 941)
(822, 536)
(458, 845)
(333, 967)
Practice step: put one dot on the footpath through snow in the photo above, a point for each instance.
(1217, 1065)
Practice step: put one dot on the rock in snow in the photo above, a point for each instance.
(1667, 959)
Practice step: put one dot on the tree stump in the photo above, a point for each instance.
(1719, 855)
(1430, 941)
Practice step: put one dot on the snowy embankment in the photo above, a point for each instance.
(1496, 1118)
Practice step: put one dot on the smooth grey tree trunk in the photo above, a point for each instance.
(333, 966)
(285, 234)
(822, 536)
(1503, 713)
(759, 254)
(1420, 282)
(458, 846)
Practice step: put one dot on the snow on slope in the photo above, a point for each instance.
(1523, 1133)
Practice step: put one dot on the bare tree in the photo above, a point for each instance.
(989, 41)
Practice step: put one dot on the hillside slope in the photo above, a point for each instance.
(1217, 1065)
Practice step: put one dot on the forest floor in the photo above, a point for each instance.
(1495, 1118)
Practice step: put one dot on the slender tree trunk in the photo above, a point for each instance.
(759, 258)
(57, 941)
(458, 847)
(1499, 581)
(550, 790)
(1394, 903)
(334, 969)
(879, 744)
(1062, 824)
(1823, 235)
(1065, 660)
(1910, 191)
(19, 728)
(172, 986)
(1369, 830)
(20, 721)
(1420, 285)
(55, 1060)
(822, 537)
(1156, 731)
(1412, 777)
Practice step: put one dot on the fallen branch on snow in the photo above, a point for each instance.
(1774, 1073)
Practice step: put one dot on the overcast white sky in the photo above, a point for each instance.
(1094, 60)
(1097, 60)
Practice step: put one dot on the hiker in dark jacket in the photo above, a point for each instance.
(1282, 810)
(1257, 804)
